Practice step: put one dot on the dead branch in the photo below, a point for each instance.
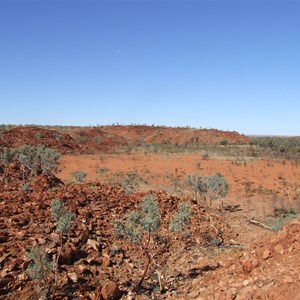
(289, 196)
(252, 221)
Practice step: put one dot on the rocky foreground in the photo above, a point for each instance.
(207, 260)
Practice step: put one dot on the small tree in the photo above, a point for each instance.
(208, 188)
(139, 227)
(192, 181)
(213, 187)
(63, 219)
(48, 159)
(39, 269)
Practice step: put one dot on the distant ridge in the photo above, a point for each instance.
(95, 139)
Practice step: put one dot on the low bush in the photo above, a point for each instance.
(207, 188)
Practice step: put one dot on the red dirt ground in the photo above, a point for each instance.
(256, 186)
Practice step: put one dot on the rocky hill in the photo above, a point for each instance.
(90, 140)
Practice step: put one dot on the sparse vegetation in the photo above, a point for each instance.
(198, 164)
(139, 227)
(181, 217)
(142, 227)
(79, 177)
(131, 182)
(81, 138)
(63, 219)
(208, 188)
(33, 161)
(61, 216)
(40, 269)
(224, 142)
(9, 155)
(287, 148)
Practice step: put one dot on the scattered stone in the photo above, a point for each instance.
(73, 276)
(55, 237)
(84, 237)
(279, 249)
(93, 244)
(266, 254)
(249, 264)
(106, 262)
(3, 238)
(5, 281)
(111, 291)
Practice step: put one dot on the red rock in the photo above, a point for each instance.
(297, 246)
(73, 276)
(106, 261)
(93, 244)
(68, 255)
(249, 264)
(4, 282)
(111, 291)
(84, 237)
(18, 261)
(279, 249)
(266, 254)
(55, 237)
(3, 238)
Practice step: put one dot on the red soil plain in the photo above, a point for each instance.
(223, 253)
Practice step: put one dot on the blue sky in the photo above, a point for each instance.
(231, 65)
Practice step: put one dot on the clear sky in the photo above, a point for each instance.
(231, 65)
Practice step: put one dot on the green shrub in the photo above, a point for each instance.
(48, 159)
(40, 269)
(26, 187)
(208, 188)
(142, 227)
(79, 176)
(63, 220)
(9, 155)
(35, 160)
(139, 227)
(131, 182)
(138, 223)
(40, 266)
(213, 187)
(39, 135)
(181, 217)
(224, 142)
(62, 216)
(102, 170)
